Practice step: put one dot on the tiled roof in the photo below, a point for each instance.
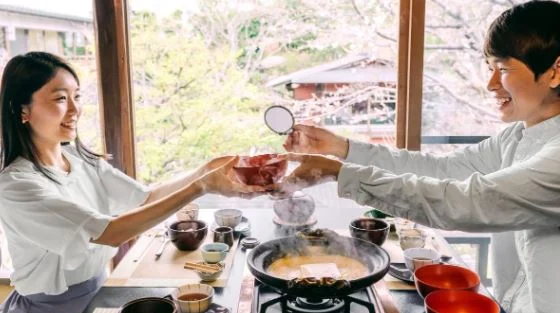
(28, 11)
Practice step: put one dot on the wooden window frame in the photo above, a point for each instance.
(115, 88)
(410, 73)
(115, 83)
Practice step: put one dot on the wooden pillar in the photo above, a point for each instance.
(415, 74)
(410, 73)
(115, 87)
(402, 73)
(115, 84)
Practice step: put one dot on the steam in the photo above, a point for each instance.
(301, 179)
(295, 207)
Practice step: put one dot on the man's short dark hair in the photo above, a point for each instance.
(529, 32)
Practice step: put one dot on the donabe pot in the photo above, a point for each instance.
(372, 256)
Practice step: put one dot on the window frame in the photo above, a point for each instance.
(115, 83)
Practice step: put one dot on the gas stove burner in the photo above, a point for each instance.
(304, 305)
(267, 300)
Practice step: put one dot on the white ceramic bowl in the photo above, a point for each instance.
(188, 213)
(228, 217)
(193, 306)
(415, 258)
(411, 238)
(205, 276)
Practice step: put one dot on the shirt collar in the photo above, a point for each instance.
(544, 130)
(76, 166)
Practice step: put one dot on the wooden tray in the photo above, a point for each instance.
(139, 268)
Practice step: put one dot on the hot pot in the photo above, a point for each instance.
(375, 259)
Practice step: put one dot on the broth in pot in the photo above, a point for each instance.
(329, 265)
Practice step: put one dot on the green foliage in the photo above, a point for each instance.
(192, 103)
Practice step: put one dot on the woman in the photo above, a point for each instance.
(508, 184)
(64, 208)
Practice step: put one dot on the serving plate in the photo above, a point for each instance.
(399, 271)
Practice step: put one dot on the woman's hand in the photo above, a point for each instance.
(316, 140)
(312, 170)
(213, 164)
(220, 179)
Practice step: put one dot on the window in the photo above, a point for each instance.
(68, 32)
(205, 71)
(456, 106)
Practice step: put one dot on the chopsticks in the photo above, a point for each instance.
(208, 268)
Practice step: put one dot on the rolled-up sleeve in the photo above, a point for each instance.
(483, 157)
(124, 192)
(524, 195)
(37, 213)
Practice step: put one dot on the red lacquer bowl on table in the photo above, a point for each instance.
(261, 170)
(434, 277)
(459, 301)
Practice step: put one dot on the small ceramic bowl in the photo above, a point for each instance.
(415, 258)
(370, 229)
(214, 252)
(207, 277)
(193, 298)
(188, 213)
(187, 235)
(459, 301)
(434, 277)
(411, 238)
(228, 217)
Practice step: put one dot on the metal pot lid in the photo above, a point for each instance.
(249, 242)
(279, 119)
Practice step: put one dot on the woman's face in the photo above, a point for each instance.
(518, 96)
(54, 110)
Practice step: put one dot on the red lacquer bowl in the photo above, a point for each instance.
(445, 277)
(459, 301)
(261, 170)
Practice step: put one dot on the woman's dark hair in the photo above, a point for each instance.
(23, 76)
(529, 32)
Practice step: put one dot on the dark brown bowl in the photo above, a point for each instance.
(434, 277)
(187, 235)
(370, 229)
(459, 301)
(150, 304)
(261, 170)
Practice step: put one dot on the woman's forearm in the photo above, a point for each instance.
(162, 190)
(137, 221)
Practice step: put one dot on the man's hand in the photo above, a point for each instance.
(316, 140)
(313, 169)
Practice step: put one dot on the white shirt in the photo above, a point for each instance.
(48, 226)
(508, 184)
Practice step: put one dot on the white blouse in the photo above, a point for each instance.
(49, 226)
(508, 184)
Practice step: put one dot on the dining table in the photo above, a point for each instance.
(331, 212)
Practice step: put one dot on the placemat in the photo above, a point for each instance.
(140, 268)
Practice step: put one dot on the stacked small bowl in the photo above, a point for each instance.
(451, 289)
